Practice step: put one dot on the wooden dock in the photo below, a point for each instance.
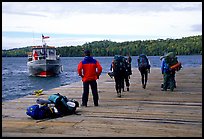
(140, 112)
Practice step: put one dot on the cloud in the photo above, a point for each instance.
(196, 28)
(107, 19)
(97, 7)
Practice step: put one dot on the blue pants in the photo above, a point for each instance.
(85, 95)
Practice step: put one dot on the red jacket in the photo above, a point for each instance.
(35, 55)
(89, 69)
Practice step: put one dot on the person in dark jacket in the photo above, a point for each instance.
(144, 68)
(128, 72)
(118, 68)
(90, 70)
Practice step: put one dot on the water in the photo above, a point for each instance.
(17, 83)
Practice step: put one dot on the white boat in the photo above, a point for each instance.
(43, 61)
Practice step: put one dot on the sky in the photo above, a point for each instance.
(76, 23)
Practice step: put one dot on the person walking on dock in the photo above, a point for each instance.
(144, 68)
(90, 70)
(118, 66)
(128, 72)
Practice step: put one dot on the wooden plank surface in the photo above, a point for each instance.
(140, 112)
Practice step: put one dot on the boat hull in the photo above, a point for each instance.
(44, 67)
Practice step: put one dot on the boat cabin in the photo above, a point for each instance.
(43, 52)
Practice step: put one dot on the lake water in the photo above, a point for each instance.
(17, 83)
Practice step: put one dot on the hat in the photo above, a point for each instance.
(87, 52)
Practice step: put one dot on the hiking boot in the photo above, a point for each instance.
(119, 94)
(128, 89)
(96, 103)
(144, 86)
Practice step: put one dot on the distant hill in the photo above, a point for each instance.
(184, 46)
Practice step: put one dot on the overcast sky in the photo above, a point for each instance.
(75, 23)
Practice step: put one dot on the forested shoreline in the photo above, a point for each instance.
(185, 46)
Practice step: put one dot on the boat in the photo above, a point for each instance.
(43, 61)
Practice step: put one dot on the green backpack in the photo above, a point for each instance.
(63, 104)
(171, 59)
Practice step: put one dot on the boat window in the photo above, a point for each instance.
(51, 54)
(42, 51)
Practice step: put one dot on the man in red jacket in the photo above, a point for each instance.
(90, 70)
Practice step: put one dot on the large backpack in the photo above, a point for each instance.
(128, 68)
(63, 104)
(172, 61)
(39, 112)
(119, 64)
(143, 62)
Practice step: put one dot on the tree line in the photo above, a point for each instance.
(185, 46)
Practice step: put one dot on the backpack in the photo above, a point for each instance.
(172, 61)
(143, 62)
(64, 105)
(119, 64)
(128, 68)
(39, 112)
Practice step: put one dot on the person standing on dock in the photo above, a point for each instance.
(168, 76)
(169, 66)
(90, 70)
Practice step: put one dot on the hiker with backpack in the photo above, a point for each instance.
(169, 66)
(90, 70)
(144, 68)
(118, 67)
(128, 72)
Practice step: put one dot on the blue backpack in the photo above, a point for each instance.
(143, 62)
(39, 112)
